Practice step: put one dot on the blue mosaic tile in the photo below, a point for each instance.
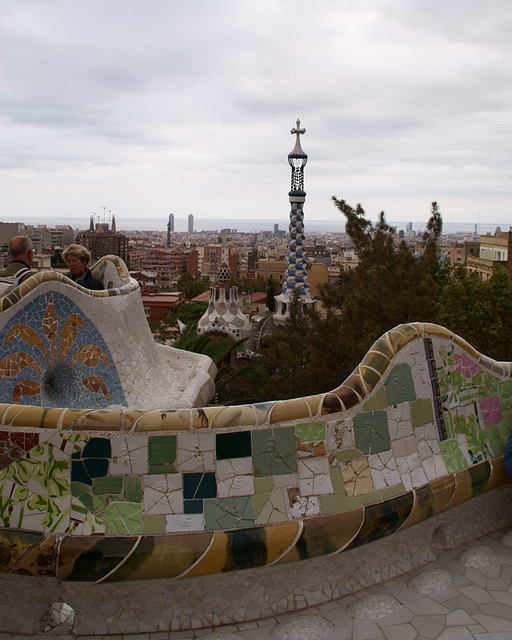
(60, 358)
(192, 506)
(233, 445)
(198, 486)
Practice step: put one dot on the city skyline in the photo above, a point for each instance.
(178, 107)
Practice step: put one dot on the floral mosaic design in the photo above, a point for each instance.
(472, 406)
(57, 358)
(35, 489)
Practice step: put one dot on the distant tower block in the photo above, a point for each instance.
(223, 314)
(170, 228)
(191, 223)
(296, 276)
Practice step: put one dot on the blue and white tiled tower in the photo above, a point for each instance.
(296, 276)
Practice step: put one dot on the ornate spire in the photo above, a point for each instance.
(297, 160)
(296, 276)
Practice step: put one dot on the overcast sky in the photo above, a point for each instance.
(159, 106)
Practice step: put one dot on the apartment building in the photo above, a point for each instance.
(494, 250)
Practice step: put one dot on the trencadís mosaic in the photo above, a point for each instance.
(99, 484)
(57, 357)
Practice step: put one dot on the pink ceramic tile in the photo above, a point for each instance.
(491, 410)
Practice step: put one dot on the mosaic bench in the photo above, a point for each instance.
(116, 491)
(66, 346)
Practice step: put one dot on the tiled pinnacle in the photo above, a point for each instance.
(296, 275)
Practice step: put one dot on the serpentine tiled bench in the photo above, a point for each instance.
(101, 483)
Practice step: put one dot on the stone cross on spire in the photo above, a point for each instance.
(298, 132)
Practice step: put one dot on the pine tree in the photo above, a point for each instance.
(390, 285)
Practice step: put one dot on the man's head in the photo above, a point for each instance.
(20, 248)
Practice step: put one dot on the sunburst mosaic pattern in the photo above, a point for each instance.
(56, 358)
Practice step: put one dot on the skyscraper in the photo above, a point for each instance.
(191, 223)
(170, 228)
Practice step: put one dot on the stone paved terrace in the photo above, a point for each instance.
(466, 593)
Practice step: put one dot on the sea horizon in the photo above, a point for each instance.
(247, 226)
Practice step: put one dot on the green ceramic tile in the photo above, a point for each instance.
(154, 524)
(274, 451)
(448, 421)
(79, 510)
(133, 488)
(400, 385)
(100, 503)
(505, 392)
(107, 485)
(391, 492)
(162, 468)
(453, 456)
(162, 454)
(79, 488)
(498, 435)
(371, 404)
(354, 503)
(348, 454)
(233, 445)
(338, 501)
(263, 485)
(228, 513)
(88, 501)
(337, 481)
(122, 518)
(370, 498)
(259, 500)
(6, 509)
(371, 431)
(422, 412)
(333, 503)
(311, 431)
(377, 401)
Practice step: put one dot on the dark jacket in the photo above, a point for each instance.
(88, 281)
(13, 267)
(507, 459)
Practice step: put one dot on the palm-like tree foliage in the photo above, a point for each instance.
(219, 348)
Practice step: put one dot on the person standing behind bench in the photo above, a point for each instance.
(77, 258)
(21, 255)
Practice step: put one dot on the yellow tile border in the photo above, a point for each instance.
(40, 277)
(353, 391)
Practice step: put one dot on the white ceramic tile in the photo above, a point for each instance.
(303, 507)
(286, 480)
(163, 494)
(227, 469)
(196, 452)
(239, 485)
(184, 522)
(129, 455)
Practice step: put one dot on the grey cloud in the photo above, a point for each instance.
(386, 89)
